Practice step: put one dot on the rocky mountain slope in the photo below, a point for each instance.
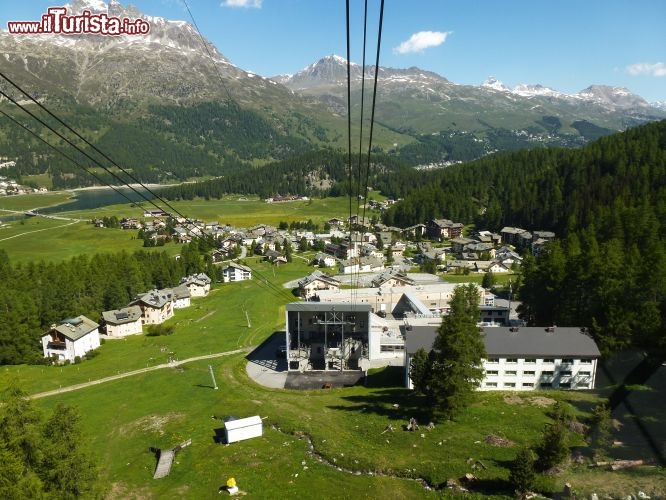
(171, 108)
(422, 102)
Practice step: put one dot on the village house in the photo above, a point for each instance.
(391, 278)
(71, 339)
(323, 260)
(370, 264)
(524, 358)
(349, 266)
(275, 258)
(309, 286)
(415, 232)
(130, 223)
(124, 321)
(234, 271)
(198, 284)
(443, 229)
(180, 296)
(156, 306)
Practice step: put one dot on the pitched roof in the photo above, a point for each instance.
(121, 316)
(318, 276)
(390, 274)
(155, 298)
(75, 328)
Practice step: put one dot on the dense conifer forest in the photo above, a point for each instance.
(36, 295)
(606, 201)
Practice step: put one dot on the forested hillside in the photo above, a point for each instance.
(164, 143)
(320, 173)
(607, 202)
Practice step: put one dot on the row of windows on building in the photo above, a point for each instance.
(531, 373)
(541, 385)
(564, 361)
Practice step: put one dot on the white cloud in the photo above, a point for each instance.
(656, 69)
(422, 40)
(243, 3)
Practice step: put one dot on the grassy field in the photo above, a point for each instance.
(38, 238)
(316, 444)
(328, 441)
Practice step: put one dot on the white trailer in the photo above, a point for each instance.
(243, 428)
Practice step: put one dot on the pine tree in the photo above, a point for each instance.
(553, 449)
(522, 475)
(419, 371)
(458, 351)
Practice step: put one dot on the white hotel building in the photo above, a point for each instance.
(525, 358)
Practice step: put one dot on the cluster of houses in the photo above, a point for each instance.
(10, 187)
(367, 248)
(74, 337)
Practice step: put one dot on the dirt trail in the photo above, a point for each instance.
(135, 372)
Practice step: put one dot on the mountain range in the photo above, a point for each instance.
(168, 94)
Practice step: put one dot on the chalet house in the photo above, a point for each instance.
(518, 237)
(335, 222)
(443, 229)
(314, 282)
(323, 260)
(180, 296)
(275, 258)
(460, 243)
(525, 358)
(156, 306)
(539, 240)
(370, 264)
(342, 251)
(360, 222)
(130, 223)
(122, 322)
(181, 235)
(349, 266)
(220, 254)
(508, 257)
(71, 338)
(391, 278)
(197, 284)
(398, 249)
(416, 231)
(370, 250)
(236, 272)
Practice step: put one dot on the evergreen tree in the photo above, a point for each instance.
(68, 471)
(600, 431)
(288, 250)
(458, 351)
(419, 371)
(522, 475)
(553, 449)
(488, 280)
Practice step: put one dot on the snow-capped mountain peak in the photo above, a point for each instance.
(493, 83)
(536, 90)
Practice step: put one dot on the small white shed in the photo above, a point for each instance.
(243, 428)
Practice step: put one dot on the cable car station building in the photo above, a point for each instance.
(329, 336)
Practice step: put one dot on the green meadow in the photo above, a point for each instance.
(316, 443)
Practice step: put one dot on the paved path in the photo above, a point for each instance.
(39, 230)
(135, 372)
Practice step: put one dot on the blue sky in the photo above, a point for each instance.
(564, 44)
